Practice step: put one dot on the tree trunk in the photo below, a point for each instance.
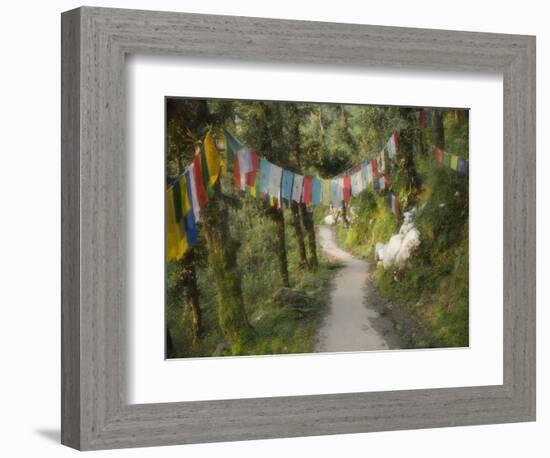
(309, 227)
(187, 283)
(222, 256)
(278, 218)
(439, 131)
(299, 233)
(345, 214)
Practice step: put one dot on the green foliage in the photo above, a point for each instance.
(278, 328)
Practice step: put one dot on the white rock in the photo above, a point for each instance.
(330, 220)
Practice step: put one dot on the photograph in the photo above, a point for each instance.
(303, 227)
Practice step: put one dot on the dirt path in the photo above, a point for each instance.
(351, 325)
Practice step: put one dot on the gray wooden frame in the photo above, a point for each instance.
(95, 413)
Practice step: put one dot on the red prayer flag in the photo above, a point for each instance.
(395, 139)
(374, 168)
(388, 181)
(251, 176)
(202, 197)
(347, 188)
(307, 190)
(438, 154)
(422, 118)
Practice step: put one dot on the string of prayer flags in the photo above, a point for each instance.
(297, 188)
(452, 161)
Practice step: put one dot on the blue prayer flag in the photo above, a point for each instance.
(286, 187)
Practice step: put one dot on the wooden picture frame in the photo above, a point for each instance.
(95, 413)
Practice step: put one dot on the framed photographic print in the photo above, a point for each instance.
(284, 228)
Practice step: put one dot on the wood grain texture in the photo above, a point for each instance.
(95, 413)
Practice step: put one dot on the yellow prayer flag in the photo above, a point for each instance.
(213, 158)
(454, 162)
(326, 192)
(176, 241)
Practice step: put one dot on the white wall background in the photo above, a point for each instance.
(30, 228)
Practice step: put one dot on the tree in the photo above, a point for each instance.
(191, 119)
(262, 128)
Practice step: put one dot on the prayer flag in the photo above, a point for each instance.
(275, 174)
(429, 119)
(204, 171)
(382, 182)
(286, 187)
(326, 192)
(192, 191)
(422, 119)
(316, 191)
(340, 190)
(202, 197)
(374, 169)
(176, 242)
(306, 193)
(454, 162)
(390, 146)
(356, 183)
(334, 193)
(192, 217)
(232, 145)
(251, 176)
(395, 139)
(347, 187)
(265, 171)
(462, 167)
(438, 154)
(213, 159)
(297, 187)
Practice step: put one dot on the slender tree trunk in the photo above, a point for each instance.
(222, 256)
(296, 224)
(439, 131)
(345, 214)
(309, 227)
(280, 243)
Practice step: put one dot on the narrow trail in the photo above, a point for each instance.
(351, 325)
